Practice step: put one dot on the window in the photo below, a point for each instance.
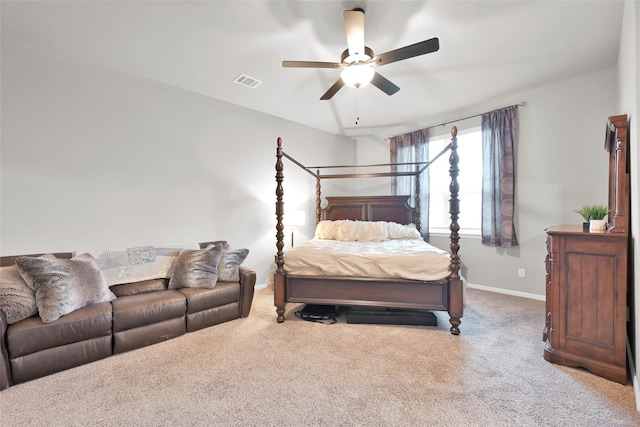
(469, 180)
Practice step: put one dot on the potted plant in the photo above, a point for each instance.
(585, 211)
(595, 215)
(598, 214)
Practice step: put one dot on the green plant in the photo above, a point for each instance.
(599, 212)
(589, 212)
(585, 211)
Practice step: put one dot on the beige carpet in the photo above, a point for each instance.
(255, 372)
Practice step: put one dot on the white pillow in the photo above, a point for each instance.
(348, 230)
(372, 231)
(362, 231)
(327, 230)
(400, 231)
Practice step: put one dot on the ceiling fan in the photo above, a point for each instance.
(357, 60)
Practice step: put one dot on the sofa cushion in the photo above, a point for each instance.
(56, 359)
(213, 316)
(148, 334)
(32, 334)
(17, 300)
(199, 299)
(197, 268)
(230, 263)
(136, 288)
(147, 308)
(64, 285)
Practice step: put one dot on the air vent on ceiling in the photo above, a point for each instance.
(247, 81)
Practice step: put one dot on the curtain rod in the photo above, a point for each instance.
(521, 104)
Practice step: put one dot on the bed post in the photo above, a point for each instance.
(279, 276)
(417, 200)
(455, 283)
(318, 199)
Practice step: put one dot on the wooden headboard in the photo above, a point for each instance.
(370, 208)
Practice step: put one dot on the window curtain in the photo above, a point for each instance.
(409, 148)
(499, 131)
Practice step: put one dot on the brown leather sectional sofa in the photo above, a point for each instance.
(143, 313)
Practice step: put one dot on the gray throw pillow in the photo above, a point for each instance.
(229, 267)
(17, 300)
(196, 268)
(63, 286)
(225, 245)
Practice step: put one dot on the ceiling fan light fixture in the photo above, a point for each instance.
(357, 60)
(357, 76)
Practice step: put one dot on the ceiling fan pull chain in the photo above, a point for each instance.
(357, 109)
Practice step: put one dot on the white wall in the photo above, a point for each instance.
(629, 102)
(93, 158)
(561, 165)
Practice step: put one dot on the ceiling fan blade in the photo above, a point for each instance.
(383, 84)
(406, 52)
(332, 90)
(354, 27)
(311, 64)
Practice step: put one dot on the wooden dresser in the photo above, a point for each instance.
(587, 274)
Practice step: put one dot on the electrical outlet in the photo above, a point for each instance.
(521, 272)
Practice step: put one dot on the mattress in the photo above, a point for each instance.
(397, 259)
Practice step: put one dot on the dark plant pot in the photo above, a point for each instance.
(585, 226)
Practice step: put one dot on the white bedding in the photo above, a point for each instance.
(406, 259)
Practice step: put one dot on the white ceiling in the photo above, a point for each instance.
(488, 49)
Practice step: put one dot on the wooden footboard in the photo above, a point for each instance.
(442, 295)
(367, 292)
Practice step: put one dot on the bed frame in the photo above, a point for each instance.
(445, 294)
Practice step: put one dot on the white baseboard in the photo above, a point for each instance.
(506, 291)
(260, 286)
(634, 377)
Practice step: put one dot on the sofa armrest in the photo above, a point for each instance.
(5, 371)
(247, 286)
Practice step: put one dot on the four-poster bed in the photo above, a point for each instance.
(444, 293)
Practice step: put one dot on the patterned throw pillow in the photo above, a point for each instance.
(17, 300)
(134, 264)
(196, 268)
(63, 286)
(229, 267)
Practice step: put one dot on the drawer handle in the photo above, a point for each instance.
(551, 256)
